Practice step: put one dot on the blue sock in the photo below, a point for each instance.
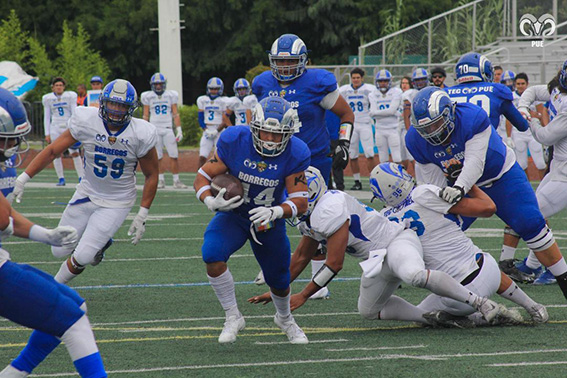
(38, 348)
(90, 366)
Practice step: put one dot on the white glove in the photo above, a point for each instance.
(19, 188)
(525, 112)
(218, 203)
(452, 194)
(62, 236)
(210, 134)
(138, 226)
(510, 142)
(264, 215)
(179, 135)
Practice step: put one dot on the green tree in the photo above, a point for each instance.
(13, 41)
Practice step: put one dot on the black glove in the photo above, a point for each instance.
(340, 157)
(453, 172)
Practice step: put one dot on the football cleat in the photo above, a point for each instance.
(488, 308)
(259, 280)
(538, 313)
(161, 184)
(100, 254)
(546, 278)
(179, 185)
(232, 326)
(12, 372)
(522, 267)
(294, 334)
(509, 267)
(322, 293)
(445, 320)
(507, 316)
(61, 182)
(357, 185)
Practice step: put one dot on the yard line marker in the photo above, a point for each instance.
(529, 364)
(378, 348)
(310, 342)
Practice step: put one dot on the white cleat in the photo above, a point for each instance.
(179, 185)
(507, 316)
(538, 313)
(161, 184)
(294, 334)
(322, 293)
(488, 308)
(259, 280)
(12, 372)
(232, 326)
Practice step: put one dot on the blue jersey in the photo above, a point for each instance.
(469, 121)
(304, 93)
(263, 178)
(8, 176)
(494, 98)
(333, 124)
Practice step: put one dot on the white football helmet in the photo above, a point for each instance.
(391, 183)
(316, 187)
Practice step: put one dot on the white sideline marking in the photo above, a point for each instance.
(529, 364)
(377, 348)
(326, 360)
(136, 259)
(310, 342)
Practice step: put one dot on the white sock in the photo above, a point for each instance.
(223, 286)
(79, 339)
(316, 265)
(78, 162)
(507, 253)
(175, 177)
(356, 176)
(161, 177)
(58, 164)
(517, 295)
(532, 261)
(282, 305)
(442, 284)
(558, 268)
(397, 308)
(64, 275)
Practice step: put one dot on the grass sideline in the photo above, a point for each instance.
(155, 315)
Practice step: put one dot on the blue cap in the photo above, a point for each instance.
(96, 79)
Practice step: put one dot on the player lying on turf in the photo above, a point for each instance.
(392, 254)
(271, 164)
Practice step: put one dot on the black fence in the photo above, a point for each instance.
(35, 116)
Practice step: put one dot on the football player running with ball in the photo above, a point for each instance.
(270, 162)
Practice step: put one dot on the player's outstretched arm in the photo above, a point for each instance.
(478, 205)
(150, 169)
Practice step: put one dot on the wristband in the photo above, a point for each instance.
(203, 189)
(345, 131)
(39, 234)
(324, 276)
(24, 177)
(204, 174)
(293, 208)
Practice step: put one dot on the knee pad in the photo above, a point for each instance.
(419, 279)
(368, 313)
(542, 241)
(508, 230)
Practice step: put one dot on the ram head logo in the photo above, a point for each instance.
(532, 27)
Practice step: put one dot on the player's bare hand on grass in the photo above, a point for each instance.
(264, 298)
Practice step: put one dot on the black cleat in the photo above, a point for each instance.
(509, 267)
(357, 185)
(443, 319)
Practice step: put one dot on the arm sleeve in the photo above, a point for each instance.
(201, 116)
(532, 94)
(428, 197)
(475, 158)
(553, 132)
(430, 174)
(513, 115)
(392, 110)
(330, 99)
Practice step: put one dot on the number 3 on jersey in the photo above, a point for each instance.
(101, 168)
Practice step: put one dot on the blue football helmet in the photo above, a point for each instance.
(118, 102)
(384, 77)
(563, 76)
(473, 67)
(273, 115)
(420, 78)
(508, 79)
(215, 83)
(285, 48)
(391, 183)
(158, 83)
(241, 88)
(433, 115)
(14, 125)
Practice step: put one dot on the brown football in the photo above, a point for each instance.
(232, 184)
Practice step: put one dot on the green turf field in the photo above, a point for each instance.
(154, 314)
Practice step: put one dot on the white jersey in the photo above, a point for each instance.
(384, 108)
(368, 230)
(445, 245)
(212, 109)
(110, 161)
(161, 114)
(58, 109)
(358, 99)
(239, 108)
